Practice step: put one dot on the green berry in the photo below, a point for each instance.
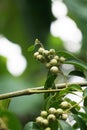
(46, 52)
(54, 69)
(52, 110)
(51, 117)
(64, 116)
(56, 57)
(65, 104)
(36, 54)
(53, 62)
(41, 50)
(52, 51)
(45, 122)
(62, 59)
(48, 65)
(48, 128)
(44, 113)
(59, 111)
(39, 119)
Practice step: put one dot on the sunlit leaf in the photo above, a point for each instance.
(64, 125)
(75, 87)
(31, 126)
(4, 104)
(31, 48)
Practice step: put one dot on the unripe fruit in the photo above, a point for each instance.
(48, 128)
(46, 52)
(48, 65)
(40, 58)
(39, 119)
(54, 69)
(36, 54)
(65, 104)
(45, 122)
(51, 117)
(62, 59)
(59, 111)
(53, 62)
(52, 51)
(56, 57)
(52, 110)
(64, 116)
(41, 50)
(44, 113)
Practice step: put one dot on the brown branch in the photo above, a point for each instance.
(38, 90)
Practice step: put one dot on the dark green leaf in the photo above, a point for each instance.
(83, 116)
(49, 82)
(70, 59)
(85, 102)
(31, 48)
(77, 73)
(64, 125)
(31, 126)
(54, 125)
(81, 123)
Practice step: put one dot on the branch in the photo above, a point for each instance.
(39, 90)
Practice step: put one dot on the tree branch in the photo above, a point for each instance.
(38, 90)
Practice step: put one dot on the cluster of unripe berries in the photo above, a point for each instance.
(50, 59)
(46, 117)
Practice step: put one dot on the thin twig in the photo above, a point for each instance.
(38, 90)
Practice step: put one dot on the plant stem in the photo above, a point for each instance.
(38, 90)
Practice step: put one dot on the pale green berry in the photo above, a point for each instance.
(45, 122)
(52, 51)
(64, 116)
(46, 52)
(41, 50)
(65, 104)
(36, 54)
(52, 110)
(56, 57)
(53, 62)
(48, 65)
(48, 128)
(59, 111)
(39, 119)
(62, 59)
(51, 117)
(43, 113)
(54, 69)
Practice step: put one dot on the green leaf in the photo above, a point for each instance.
(75, 87)
(31, 48)
(70, 59)
(4, 104)
(64, 125)
(10, 121)
(85, 92)
(77, 73)
(54, 125)
(31, 126)
(81, 123)
(83, 116)
(50, 80)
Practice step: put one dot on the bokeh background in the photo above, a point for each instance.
(58, 24)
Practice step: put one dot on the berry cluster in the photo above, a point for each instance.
(46, 117)
(49, 57)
